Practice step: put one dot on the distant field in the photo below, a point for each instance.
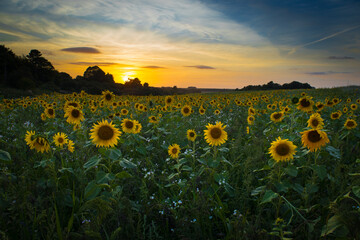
(238, 165)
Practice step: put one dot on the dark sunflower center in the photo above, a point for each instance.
(304, 103)
(320, 106)
(282, 149)
(215, 133)
(314, 136)
(75, 113)
(315, 122)
(51, 111)
(192, 134)
(60, 140)
(251, 119)
(129, 124)
(186, 110)
(73, 104)
(277, 115)
(174, 150)
(124, 111)
(350, 124)
(105, 132)
(40, 141)
(108, 96)
(153, 118)
(335, 115)
(168, 100)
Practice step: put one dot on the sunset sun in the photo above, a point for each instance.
(127, 75)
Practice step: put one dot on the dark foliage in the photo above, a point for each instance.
(273, 86)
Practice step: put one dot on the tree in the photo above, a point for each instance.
(97, 74)
(133, 83)
(36, 59)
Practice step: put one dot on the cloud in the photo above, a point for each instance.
(340, 58)
(81, 50)
(101, 64)
(201, 67)
(326, 73)
(293, 50)
(153, 67)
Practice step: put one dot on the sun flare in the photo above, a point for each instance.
(127, 75)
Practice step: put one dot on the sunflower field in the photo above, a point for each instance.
(242, 165)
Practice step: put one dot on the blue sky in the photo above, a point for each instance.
(192, 42)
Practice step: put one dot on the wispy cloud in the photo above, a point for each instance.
(201, 67)
(340, 58)
(323, 39)
(101, 64)
(153, 67)
(326, 73)
(81, 50)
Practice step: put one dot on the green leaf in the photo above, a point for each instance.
(269, 196)
(291, 171)
(93, 161)
(229, 189)
(333, 152)
(70, 170)
(123, 174)
(141, 150)
(5, 156)
(186, 168)
(172, 175)
(356, 191)
(258, 190)
(298, 188)
(333, 223)
(127, 164)
(311, 188)
(114, 154)
(91, 190)
(320, 171)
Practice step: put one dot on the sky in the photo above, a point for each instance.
(201, 43)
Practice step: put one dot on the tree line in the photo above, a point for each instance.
(34, 71)
(275, 86)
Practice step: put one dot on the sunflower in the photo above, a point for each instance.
(124, 111)
(202, 110)
(104, 134)
(60, 139)
(186, 110)
(40, 144)
(72, 104)
(314, 139)
(320, 106)
(353, 106)
(174, 150)
(277, 116)
(282, 150)
(43, 116)
(335, 115)
(29, 138)
(215, 135)
(191, 135)
(305, 104)
(50, 112)
(153, 119)
(74, 115)
(107, 97)
(315, 121)
(250, 120)
(217, 112)
(350, 124)
(128, 125)
(138, 127)
(71, 146)
(169, 100)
